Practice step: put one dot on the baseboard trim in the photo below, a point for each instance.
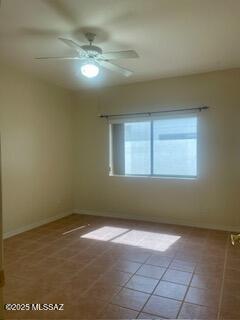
(156, 219)
(35, 225)
(117, 215)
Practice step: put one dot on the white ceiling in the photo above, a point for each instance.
(172, 37)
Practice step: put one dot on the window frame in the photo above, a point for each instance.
(151, 120)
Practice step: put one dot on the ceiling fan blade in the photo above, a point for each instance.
(129, 54)
(58, 58)
(115, 68)
(72, 44)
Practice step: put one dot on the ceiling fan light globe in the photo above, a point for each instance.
(90, 70)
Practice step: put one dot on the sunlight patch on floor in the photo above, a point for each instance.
(105, 233)
(142, 239)
(73, 230)
(147, 240)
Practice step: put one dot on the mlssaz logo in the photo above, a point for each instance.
(48, 307)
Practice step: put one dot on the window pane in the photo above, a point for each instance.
(175, 147)
(137, 147)
(117, 156)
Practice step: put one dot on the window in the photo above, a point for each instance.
(165, 146)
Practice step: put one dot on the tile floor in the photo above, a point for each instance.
(102, 268)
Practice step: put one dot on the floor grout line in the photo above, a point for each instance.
(155, 286)
(189, 285)
(135, 273)
(183, 300)
(223, 277)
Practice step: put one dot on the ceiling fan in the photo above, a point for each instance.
(93, 57)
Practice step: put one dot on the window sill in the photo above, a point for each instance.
(155, 177)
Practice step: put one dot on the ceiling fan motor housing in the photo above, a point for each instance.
(93, 51)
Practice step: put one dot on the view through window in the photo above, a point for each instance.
(156, 147)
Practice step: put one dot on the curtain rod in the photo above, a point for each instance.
(152, 112)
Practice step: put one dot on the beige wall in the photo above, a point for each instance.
(37, 149)
(52, 137)
(212, 200)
